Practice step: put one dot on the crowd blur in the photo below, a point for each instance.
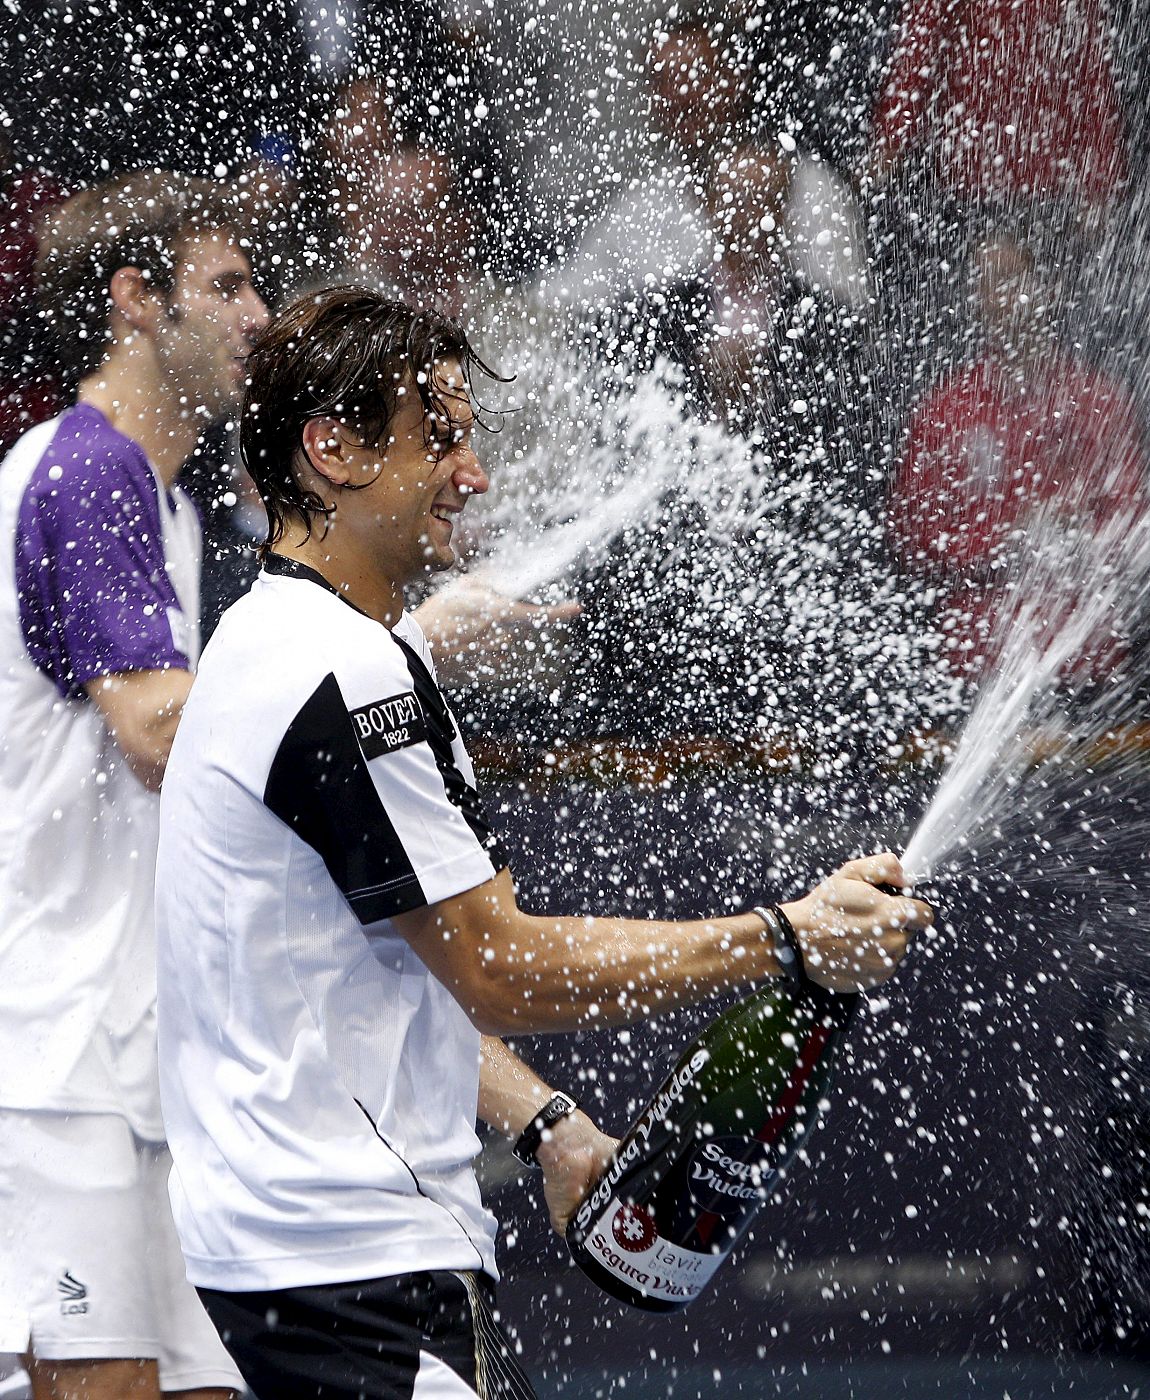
(879, 246)
(894, 251)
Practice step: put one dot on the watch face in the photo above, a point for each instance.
(558, 1106)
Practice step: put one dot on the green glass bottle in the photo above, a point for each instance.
(705, 1153)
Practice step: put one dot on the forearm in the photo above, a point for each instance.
(142, 710)
(149, 745)
(605, 971)
(532, 974)
(572, 1153)
(510, 1092)
(517, 973)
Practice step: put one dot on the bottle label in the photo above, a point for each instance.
(625, 1241)
(637, 1144)
(728, 1176)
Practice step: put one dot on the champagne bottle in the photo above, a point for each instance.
(695, 1166)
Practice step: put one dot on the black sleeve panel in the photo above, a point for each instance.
(320, 787)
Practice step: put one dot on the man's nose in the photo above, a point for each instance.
(469, 478)
(256, 314)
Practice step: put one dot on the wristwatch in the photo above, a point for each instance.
(785, 944)
(527, 1143)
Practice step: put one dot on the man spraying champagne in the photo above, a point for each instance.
(340, 943)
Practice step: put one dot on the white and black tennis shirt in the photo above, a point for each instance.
(319, 1084)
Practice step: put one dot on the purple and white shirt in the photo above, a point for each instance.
(99, 574)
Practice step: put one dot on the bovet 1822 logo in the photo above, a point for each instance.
(387, 725)
(728, 1175)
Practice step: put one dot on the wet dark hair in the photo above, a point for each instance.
(343, 352)
(139, 220)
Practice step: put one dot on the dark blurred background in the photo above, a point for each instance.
(883, 211)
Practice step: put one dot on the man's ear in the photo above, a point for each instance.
(134, 299)
(325, 443)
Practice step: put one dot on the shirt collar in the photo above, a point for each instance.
(292, 568)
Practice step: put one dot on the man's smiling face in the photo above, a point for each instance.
(417, 482)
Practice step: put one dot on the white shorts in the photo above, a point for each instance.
(93, 1268)
(14, 1324)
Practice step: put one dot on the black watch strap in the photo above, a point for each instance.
(527, 1143)
(784, 944)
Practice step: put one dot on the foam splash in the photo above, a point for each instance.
(1077, 592)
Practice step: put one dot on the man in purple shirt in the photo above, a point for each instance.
(147, 281)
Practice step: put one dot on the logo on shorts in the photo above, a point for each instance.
(73, 1292)
(387, 725)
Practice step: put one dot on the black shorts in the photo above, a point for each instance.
(416, 1335)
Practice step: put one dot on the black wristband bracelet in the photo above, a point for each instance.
(528, 1142)
(785, 944)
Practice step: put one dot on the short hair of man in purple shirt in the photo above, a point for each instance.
(141, 220)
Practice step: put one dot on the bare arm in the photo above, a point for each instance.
(522, 973)
(142, 710)
(573, 1153)
(471, 629)
(509, 1090)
